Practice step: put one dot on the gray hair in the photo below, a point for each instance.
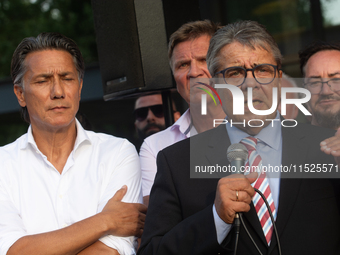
(248, 33)
(44, 41)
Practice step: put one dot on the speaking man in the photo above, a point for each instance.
(195, 215)
(187, 52)
(320, 67)
(62, 188)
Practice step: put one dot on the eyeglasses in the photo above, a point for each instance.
(315, 85)
(236, 75)
(142, 113)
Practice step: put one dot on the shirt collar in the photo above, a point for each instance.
(183, 123)
(82, 136)
(29, 139)
(270, 135)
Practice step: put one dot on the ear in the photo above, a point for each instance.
(177, 115)
(19, 92)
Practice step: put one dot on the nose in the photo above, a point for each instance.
(250, 81)
(57, 89)
(151, 117)
(195, 70)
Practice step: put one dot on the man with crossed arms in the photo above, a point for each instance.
(61, 187)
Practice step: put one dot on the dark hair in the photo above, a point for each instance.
(190, 31)
(44, 41)
(246, 32)
(313, 48)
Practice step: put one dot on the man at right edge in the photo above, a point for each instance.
(195, 215)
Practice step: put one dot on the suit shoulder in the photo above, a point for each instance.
(192, 143)
(180, 147)
(314, 131)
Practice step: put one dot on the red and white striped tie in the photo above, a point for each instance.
(262, 184)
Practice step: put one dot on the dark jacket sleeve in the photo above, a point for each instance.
(166, 230)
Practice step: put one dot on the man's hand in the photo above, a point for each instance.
(331, 146)
(226, 202)
(125, 219)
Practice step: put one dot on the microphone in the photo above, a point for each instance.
(237, 154)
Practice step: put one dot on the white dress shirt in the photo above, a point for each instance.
(180, 130)
(36, 198)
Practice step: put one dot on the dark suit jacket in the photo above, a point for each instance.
(180, 219)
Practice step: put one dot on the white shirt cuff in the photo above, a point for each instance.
(123, 245)
(222, 228)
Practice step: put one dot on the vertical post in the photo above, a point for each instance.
(317, 20)
(168, 111)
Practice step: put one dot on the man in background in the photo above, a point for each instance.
(149, 115)
(320, 67)
(61, 187)
(187, 51)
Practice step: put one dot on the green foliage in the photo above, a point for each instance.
(278, 16)
(25, 18)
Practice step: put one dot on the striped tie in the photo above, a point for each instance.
(262, 184)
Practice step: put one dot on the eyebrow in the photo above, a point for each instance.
(185, 60)
(256, 64)
(237, 63)
(333, 74)
(330, 75)
(182, 62)
(48, 75)
(201, 56)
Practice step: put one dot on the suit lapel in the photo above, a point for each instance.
(254, 222)
(294, 150)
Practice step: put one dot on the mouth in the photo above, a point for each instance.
(327, 101)
(153, 128)
(59, 108)
(255, 103)
(201, 84)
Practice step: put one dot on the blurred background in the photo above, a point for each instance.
(294, 24)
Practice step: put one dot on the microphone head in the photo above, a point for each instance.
(237, 151)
